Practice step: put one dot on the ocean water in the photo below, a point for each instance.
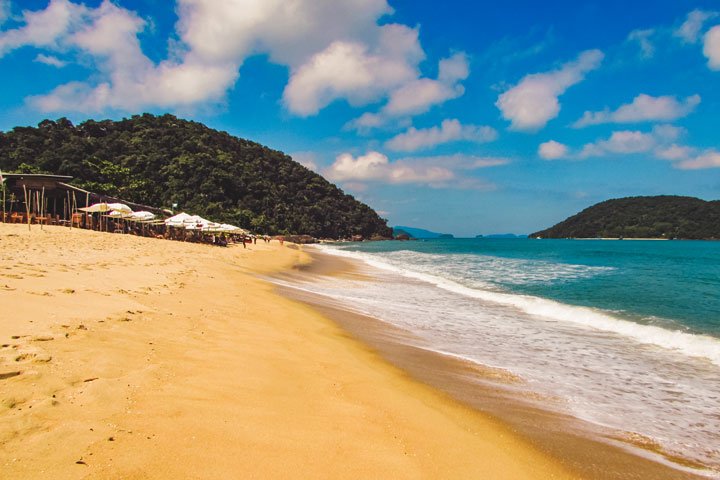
(622, 334)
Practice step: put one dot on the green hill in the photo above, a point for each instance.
(162, 160)
(642, 217)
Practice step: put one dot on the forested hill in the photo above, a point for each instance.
(161, 160)
(642, 217)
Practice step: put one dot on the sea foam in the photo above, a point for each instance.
(689, 344)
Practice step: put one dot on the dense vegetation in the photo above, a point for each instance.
(642, 217)
(161, 160)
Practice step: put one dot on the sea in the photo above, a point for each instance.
(624, 335)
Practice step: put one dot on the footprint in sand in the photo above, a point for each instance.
(34, 357)
(11, 275)
(6, 375)
(41, 294)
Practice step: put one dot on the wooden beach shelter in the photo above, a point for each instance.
(50, 199)
(40, 198)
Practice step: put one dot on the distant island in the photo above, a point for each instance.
(662, 217)
(164, 161)
(418, 233)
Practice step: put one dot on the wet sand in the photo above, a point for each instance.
(127, 357)
(586, 450)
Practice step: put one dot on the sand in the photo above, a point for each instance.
(128, 357)
(589, 450)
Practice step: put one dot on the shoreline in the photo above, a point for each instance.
(589, 450)
(129, 357)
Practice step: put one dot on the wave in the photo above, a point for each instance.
(693, 345)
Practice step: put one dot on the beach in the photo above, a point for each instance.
(128, 357)
(587, 449)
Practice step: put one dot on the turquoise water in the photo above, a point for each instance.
(622, 334)
(673, 284)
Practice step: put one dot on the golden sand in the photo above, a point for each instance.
(128, 357)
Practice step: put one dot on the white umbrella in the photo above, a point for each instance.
(97, 207)
(142, 215)
(120, 207)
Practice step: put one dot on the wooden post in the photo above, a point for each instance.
(2, 182)
(69, 209)
(74, 205)
(42, 208)
(27, 206)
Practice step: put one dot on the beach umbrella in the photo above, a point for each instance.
(96, 207)
(120, 207)
(142, 215)
(179, 220)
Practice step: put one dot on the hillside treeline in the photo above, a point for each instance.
(642, 217)
(163, 160)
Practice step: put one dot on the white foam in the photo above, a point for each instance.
(693, 345)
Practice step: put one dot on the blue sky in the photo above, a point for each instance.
(461, 117)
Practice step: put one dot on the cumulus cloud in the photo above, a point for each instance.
(375, 166)
(708, 159)
(289, 31)
(688, 158)
(552, 150)
(674, 152)
(418, 96)
(449, 131)
(531, 103)
(350, 70)
(334, 50)
(435, 171)
(642, 37)
(43, 28)
(643, 108)
(711, 47)
(623, 142)
(689, 31)
(50, 60)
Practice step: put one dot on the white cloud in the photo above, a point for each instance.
(708, 159)
(290, 31)
(552, 150)
(50, 60)
(647, 49)
(436, 172)
(453, 69)
(375, 166)
(674, 152)
(350, 70)
(689, 31)
(711, 47)
(622, 142)
(534, 101)
(420, 95)
(627, 142)
(687, 158)
(334, 49)
(644, 108)
(417, 96)
(43, 28)
(449, 130)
